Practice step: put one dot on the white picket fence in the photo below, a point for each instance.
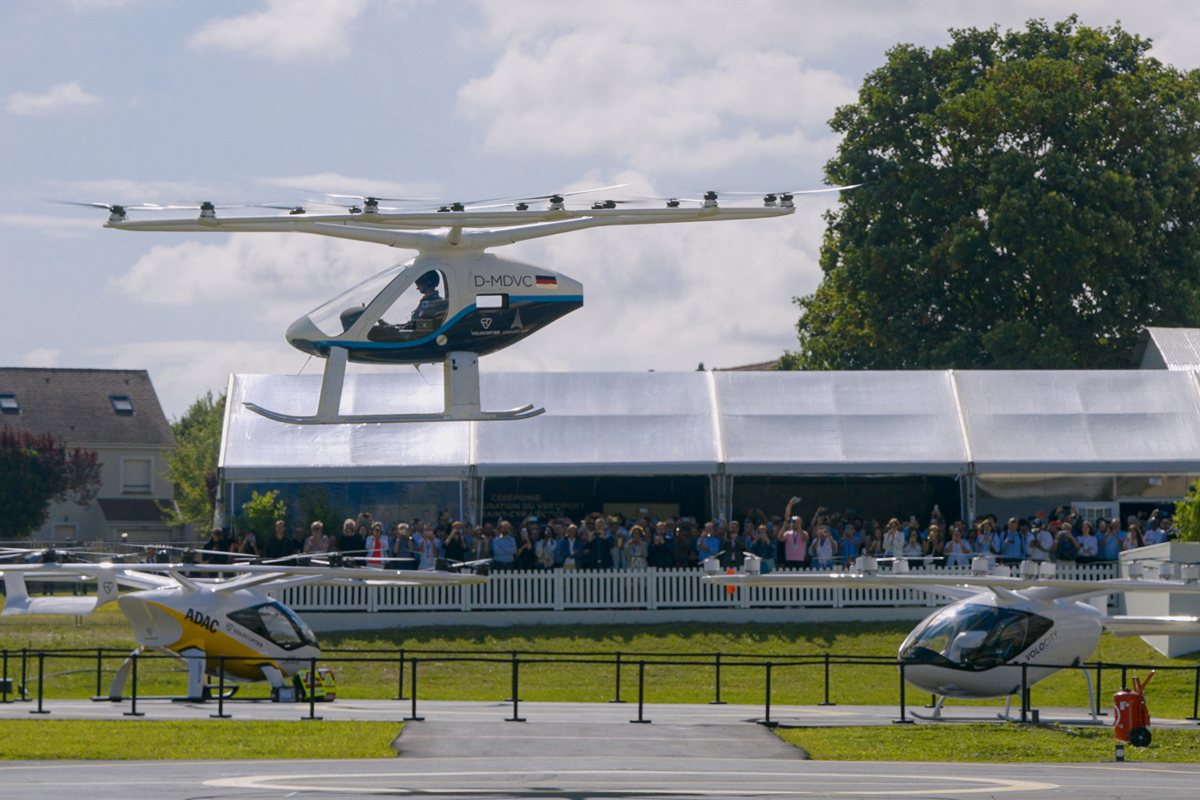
(648, 589)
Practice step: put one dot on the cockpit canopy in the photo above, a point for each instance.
(411, 314)
(972, 636)
(276, 623)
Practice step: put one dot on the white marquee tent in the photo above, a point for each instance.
(965, 424)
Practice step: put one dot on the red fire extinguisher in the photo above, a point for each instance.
(1131, 718)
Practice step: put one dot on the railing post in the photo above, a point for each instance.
(651, 574)
(904, 720)
(400, 678)
(516, 690)
(99, 670)
(133, 712)
(641, 694)
(617, 693)
(24, 673)
(826, 702)
(717, 701)
(1024, 693)
(514, 697)
(220, 691)
(767, 699)
(41, 674)
(1195, 696)
(412, 692)
(312, 689)
(5, 681)
(1100, 712)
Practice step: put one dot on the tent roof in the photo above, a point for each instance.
(746, 423)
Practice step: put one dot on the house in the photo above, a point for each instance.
(116, 413)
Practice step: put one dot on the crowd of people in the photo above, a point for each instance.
(828, 539)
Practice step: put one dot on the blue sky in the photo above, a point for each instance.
(265, 100)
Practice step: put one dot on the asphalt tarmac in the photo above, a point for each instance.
(574, 750)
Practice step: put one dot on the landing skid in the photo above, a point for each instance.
(461, 372)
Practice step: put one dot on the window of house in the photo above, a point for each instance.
(9, 404)
(136, 474)
(121, 404)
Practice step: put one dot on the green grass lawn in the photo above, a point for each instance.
(1170, 695)
(986, 743)
(158, 740)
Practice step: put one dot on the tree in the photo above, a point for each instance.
(1187, 514)
(260, 512)
(37, 469)
(1031, 200)
(192, 465)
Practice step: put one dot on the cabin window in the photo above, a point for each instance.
(418, 312)
(974, 636)
(276, 623)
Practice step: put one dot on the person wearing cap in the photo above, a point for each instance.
(1039, 541)
(430, 311)
(432, 306)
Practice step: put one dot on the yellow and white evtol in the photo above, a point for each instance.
(225, 617)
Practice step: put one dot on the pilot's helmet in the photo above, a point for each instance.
(428, 280)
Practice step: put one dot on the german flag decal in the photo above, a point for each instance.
(546, 280)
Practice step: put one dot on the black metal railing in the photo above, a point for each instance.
(26, 674)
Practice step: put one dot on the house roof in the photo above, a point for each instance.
(77, 406)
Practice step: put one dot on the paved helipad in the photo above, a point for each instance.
(574, 750)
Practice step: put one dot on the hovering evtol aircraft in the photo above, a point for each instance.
(975, 646)
(199, 620)
(471, 302)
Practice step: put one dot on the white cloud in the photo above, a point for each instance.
(286, 30)
(61, 97)
(42, 357)
(654, 87)
(279, 276)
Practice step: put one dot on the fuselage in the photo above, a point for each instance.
(980, 646)
(248, 628)
(482, 303)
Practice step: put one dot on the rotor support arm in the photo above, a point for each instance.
(482, 239)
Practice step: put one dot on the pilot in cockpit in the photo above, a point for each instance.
(425, 318)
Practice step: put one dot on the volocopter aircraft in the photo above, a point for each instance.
(224, 618)
(486, 302)
(975, 646)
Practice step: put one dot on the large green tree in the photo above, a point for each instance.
(192, 465)
(35, 470)
(1031, 200)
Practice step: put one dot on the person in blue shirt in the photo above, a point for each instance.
(1109, 540)
(1012, 543)
(709, 543)
(504, 546)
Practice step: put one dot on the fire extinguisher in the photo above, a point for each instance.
(1131, 717)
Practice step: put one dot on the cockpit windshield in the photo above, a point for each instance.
(277, 624)
(329, 317)
(974, 637)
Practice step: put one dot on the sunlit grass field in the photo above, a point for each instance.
(979, 742)
(375, 674)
